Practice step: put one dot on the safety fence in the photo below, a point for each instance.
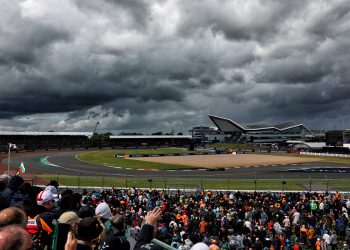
(167, 182)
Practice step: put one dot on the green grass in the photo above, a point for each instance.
(222, 184)
(106, 158)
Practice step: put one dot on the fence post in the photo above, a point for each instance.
(310, 179)
(79, 182)
(255, 182)
(283, 183)
(202, 183)
(58, 173)
(165, 184)
(103, 182)
(150, 182)
(327, 183)
(36, 174)
(126, 181)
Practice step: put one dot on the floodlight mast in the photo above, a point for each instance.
(97, 123)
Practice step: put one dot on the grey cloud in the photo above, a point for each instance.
(138, 65)
(331, 21)
(136, 10)
(238, 20)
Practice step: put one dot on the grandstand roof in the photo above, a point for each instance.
(30, 133)
(227, 125)
(150, 136)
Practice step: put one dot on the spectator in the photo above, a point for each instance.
(72, 219)
(89, 233)
(115, 237)
(11, 196)
(334, 240)
(41, 226)
(104, 212)
(148, 230)
(14, 237)
(13, 215)
(86, 209)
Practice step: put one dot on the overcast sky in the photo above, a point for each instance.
(148, 66)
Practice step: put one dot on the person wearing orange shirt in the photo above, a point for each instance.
(203, 226)
(184, 217)
(318, 244)
(310, 236)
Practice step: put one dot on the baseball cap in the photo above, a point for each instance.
(69, 218)
(103, 210)
(44, 196)
(52, 189)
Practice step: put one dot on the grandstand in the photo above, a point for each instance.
(263, 133)
(44, 140)
(125, 141)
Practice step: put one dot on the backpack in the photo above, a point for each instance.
(34, 231)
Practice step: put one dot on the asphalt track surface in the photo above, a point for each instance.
(66, 163)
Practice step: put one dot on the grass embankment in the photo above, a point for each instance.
(106, 158)
(222, 184)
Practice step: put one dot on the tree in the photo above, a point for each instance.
(158, 133)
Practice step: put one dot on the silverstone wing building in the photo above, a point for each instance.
(262, 134)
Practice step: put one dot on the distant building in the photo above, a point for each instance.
(204, 134)
(334, 138)
(346, 138)
(44, 140)
(144, 141)
(262, 133)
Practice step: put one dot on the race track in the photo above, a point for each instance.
(65, 163)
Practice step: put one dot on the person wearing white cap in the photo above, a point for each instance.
(104, 212)
(42, 224)
(200, 246)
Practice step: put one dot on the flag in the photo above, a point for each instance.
(21, 169)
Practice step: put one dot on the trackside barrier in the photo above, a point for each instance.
(326, 154)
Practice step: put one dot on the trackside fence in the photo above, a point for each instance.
(167, 183)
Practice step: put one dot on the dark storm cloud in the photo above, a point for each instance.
(163, 65)
(236, 20)
(137, 11)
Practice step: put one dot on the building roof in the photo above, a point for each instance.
(30, 133)
(150, 137)
(227, 125)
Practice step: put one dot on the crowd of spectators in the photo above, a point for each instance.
(30, 218)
